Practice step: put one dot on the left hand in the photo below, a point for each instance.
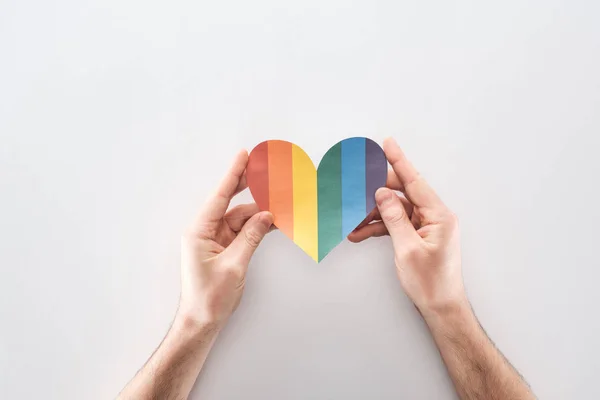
(216, 252)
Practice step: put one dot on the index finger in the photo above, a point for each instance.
(413, 185)
(233, 182)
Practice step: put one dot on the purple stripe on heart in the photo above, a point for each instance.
(375, 178)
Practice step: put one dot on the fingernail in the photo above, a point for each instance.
(383, 196)
(266, 218)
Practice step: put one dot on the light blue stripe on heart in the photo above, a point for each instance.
(353, 184)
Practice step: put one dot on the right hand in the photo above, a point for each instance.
(424, 233)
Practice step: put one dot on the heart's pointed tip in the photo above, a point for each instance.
(320, 258)
(315, 258)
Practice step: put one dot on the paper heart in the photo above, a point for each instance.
(317, 209)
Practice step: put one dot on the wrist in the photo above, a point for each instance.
(454, 309)
(189, 324)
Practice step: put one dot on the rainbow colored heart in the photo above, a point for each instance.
(317, 208)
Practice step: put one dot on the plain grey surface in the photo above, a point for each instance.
(117, 118)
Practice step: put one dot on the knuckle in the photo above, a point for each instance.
(415, 178)
(252, 238)
(189, 235)
(190, 240)
(413, 251)
(202, 229)
(452, 219)
(396, 216)
(233, 273)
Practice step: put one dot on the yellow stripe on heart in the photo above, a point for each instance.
(305, 202)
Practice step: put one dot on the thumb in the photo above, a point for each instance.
(394, 217)
(254, 230)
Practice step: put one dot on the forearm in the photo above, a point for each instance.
(172, 370)
(476, 366)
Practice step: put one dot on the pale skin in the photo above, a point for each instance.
(426, 240)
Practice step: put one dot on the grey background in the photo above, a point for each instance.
(118, 117)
